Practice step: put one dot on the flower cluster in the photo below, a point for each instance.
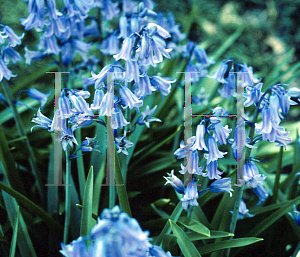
(8, 40)
(115, 234)
(197, 145)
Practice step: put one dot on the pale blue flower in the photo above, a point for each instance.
(109, 10)
(274, 109)
(192, 164)
(190, 196)
(229, 87)
(123, 27)
(278, 135)
(219, 75)
(129, 98)
(110, 45)
(200, 99)
(243, 211)
(145, 87)
(118, 121)
(212, 171)
(294, 92)
(261, 193)
(213, 152)
(197, 72)
(43, 121)
(32, 55)
(163, 85)
(12, 37)
(184, 150)
(77, 248)
(49, 45)
(37, 95)
(295, 215)
(221, 185)
(80, 121)
(122, 144)
(89, 145)
(246, 73)
(9, 54)
(201, 57)
(221, 133)
(251, 176)
(156, 251)
(146, 118)
(4, 71)
(199, 143)
(175, 182)
(126, 49)
(253, 94)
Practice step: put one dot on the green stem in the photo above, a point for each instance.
(67, 197)
(21, 130)
(277, 179)
(239, 192)
(80, 166)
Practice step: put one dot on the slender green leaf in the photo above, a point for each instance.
(32, 207)
(121, 190)
(264, 224)
(193, 236)
(87, 205)
(167, 229)
(80, 166)
(194, 225)
(13, 244)
(239, 242)
(94, 216)
(185, 244)
(199, 215)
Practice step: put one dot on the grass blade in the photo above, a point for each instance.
(13, 244)
(87, 205)
(186, 246)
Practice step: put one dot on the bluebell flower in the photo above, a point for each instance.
(190, 196)
(213, 152)
(240, 141)
(201, 98)
(278, 135)
(82, 6)
(122, 144)
(54, 27)
(9, 54)
(251, 176)
(32, 55)
(75, 248)
(175, 182)
(67, 136)
(201, 57)
(295, 215)
(266, 126)
(49, 45)
(4, 71)
(32, 21)
(92, 29)
(109, 10)
(243, 211)
(98, 97)
(65, 107)
(145, 87)
(247, 74)
(229, 87)
(274, 109)
(184, 150)
(89, 145)
(123, 27)
(80, 121)
(192, 164)
(253, 94)
(197, 72)
(115, 234)
(37, 95)
(118, 121)
(12, 37)
(110, 45)
(149, 4)
(212, 171)
(293, 92)
(43, 121)
(80, 106)
(132, 72)
(156, 251)
(99, 78)
(126, 49)
(221, 133)
(199, 143)
(163, 85)
(219, 75)
(261, 193)
(285, 101)
(129, 98)
(146, 118)
(221, 185)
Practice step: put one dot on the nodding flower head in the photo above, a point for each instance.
(190, 196)
(175, 182)
(213, 152)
